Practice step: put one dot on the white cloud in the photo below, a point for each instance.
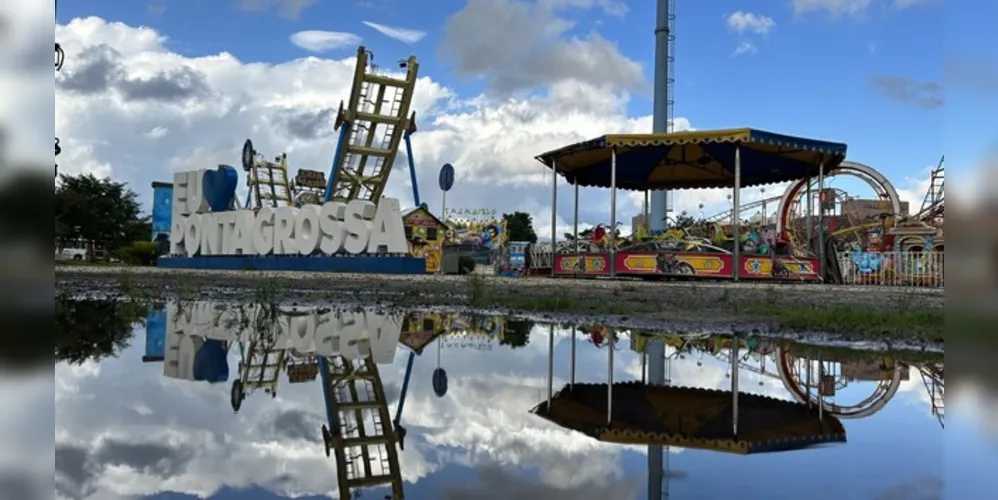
(395, 33)
(745, 48)
(324, 41)
(851, 8)
(748, 22)
(834, 8)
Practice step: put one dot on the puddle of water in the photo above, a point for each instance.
(486, 408)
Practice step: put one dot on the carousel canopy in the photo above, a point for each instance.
(689, 160)
(690, 418)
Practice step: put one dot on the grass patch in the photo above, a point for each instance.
(900, 321)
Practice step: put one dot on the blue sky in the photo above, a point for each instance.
(871, 77)
(811, 74)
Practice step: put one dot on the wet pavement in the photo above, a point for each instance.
(486, 407)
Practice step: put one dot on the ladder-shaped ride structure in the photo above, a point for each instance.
(267, 181)
(372, 125)
(359, 432)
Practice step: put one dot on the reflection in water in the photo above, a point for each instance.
(351, 355)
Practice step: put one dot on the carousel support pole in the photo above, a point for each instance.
(821, 397)
(736, 213)
(644, 365)
(572, 379)
(554, 214)
(810, 217)
(613, 212)
(550, 365)
(821, 214)
(575, 223)
(644, 213)
(609, 386)
(734, 386)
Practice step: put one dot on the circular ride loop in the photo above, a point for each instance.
(797, 213)
(816, 382)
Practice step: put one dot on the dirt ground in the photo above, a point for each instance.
(702, 306)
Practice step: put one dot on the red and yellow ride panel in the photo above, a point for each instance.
(682, 264)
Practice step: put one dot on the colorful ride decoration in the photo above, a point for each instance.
(475, 227)
(734, 159)
(426, 235)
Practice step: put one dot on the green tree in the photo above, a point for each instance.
(520, 227)
(517, 333)
(98, 211)
(90, 330)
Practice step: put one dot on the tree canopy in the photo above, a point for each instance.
(520, 227)
(90, 330)
(98, 210)
(517, 333)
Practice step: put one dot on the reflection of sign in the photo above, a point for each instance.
(312, 179)
(352, 334)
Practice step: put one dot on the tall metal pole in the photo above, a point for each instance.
(662, 103)
(575, 224)
(736, 214)
(821, 216)
(613, 212)
(554, 216)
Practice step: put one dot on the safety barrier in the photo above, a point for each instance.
(896, 268)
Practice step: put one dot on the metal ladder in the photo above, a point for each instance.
(377, 117)
(270, 183)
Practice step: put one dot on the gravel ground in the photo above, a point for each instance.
(702, 306)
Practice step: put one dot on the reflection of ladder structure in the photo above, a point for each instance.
(932, 378)
(372, 127)
(933, 203)
(359, 429)
(267, 181)
(259, 368)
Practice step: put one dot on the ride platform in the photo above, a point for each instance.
(687, 265)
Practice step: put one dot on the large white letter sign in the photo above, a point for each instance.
(357, 227)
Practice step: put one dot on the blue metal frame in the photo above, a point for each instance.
(337, 160)
(405, 389)
(412, 167)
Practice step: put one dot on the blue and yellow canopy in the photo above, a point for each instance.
(698, 159)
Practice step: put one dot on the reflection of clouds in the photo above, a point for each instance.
(494, 482)
(112, 417)
(923, 488)
(26, 422)
(979, 403)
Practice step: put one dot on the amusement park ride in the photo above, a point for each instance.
(372, 124)
(816, 229)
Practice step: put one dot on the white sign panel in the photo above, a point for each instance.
(357, 227)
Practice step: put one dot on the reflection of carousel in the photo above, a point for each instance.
(359, 430)
(661, 415)
(816, 382)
